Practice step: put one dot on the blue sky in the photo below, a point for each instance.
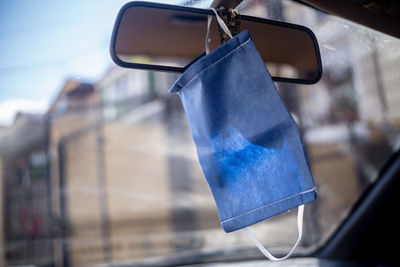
(43, 43)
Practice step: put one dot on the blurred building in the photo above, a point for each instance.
(125, 181)
(25, 192)
(73, 120)
(158, 198)
(69, 175)
(351, 117)
(357, 98)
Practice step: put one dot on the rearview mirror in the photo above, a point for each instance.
(167, 37)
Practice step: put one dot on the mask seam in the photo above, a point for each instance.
(270, 204)
(194, 77)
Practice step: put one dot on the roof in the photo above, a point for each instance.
(72, 88)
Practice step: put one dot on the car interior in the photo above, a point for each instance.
(107, 173)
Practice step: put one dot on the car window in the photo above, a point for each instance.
(101, 167)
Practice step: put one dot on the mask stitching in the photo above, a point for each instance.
(269, 204)
(197, 75)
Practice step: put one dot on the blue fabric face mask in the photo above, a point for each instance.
(247, 143)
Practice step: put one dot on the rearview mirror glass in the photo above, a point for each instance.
(168, 37)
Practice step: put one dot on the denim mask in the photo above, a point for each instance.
(248, 145)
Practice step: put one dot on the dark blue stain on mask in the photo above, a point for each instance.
(238, 160)
(254, 174)
(247, 143)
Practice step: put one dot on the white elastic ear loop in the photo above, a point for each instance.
(267, 254)
(221, 24)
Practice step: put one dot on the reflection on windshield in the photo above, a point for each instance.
(109, 173)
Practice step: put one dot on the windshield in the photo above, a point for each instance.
(97, 164)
